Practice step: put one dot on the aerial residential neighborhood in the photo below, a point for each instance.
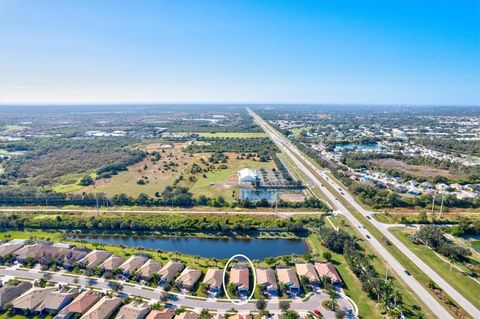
(239, 159)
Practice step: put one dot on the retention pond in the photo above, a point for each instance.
(255, 248)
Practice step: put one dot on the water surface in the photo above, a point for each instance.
(255, 248)
(359, 147)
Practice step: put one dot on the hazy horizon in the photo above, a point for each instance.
(240, 52)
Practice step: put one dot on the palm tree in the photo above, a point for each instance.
(333, 297)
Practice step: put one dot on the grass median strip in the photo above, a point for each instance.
(460, 281)
(396, 253)
(409, 296)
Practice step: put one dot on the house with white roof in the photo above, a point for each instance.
(247, 175)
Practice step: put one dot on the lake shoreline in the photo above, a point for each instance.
(258, 248)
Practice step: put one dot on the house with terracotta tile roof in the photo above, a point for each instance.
(288, 277)
(103, 309)
(188, 278)
(187, 315)
(240, 277)
(218, 316)
(32, 298)
(74, 255)
(11, 246)
(170, 270)
(214, 279)
(148, 269)
(238, 316)
(95, 258)
(166, 313)
(132, 263)
(308, 271)
(112, 262)
(84, 301)
(134, 310)
(10, 292)
(57, 300)
(267, 281)
(327, 269)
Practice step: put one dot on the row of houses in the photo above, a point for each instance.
(185, 277)
(67, 303)
(289, 277)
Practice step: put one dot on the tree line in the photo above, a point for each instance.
(155, 222)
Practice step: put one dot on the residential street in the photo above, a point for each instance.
(179, 300)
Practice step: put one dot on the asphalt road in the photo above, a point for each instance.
(179, 300)
(421, 292)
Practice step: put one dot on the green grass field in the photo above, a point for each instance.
(34, 234)
(353, 287)
(70, 182)
(5, 152)
(476, 245)
(202, 185)
(234, 135)
(461, 282)
(7, 315)
(15, 127)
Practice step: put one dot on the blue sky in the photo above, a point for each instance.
(379, 52)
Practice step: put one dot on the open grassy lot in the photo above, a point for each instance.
(229, 175)
(157, 175)
(233, 134)
(6, 152)
(425, 171)
(476, 245)
(70, 182)
(15, 127)
(173, 164)
(460, 281)
(32, 234)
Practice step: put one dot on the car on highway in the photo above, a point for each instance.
(407, 272)
(368, 236)
(368, 216)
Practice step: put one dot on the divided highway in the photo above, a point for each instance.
(302, 163)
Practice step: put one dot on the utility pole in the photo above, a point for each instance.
(433, 202)
(276, 203)
(96, 200)
(441, 205)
